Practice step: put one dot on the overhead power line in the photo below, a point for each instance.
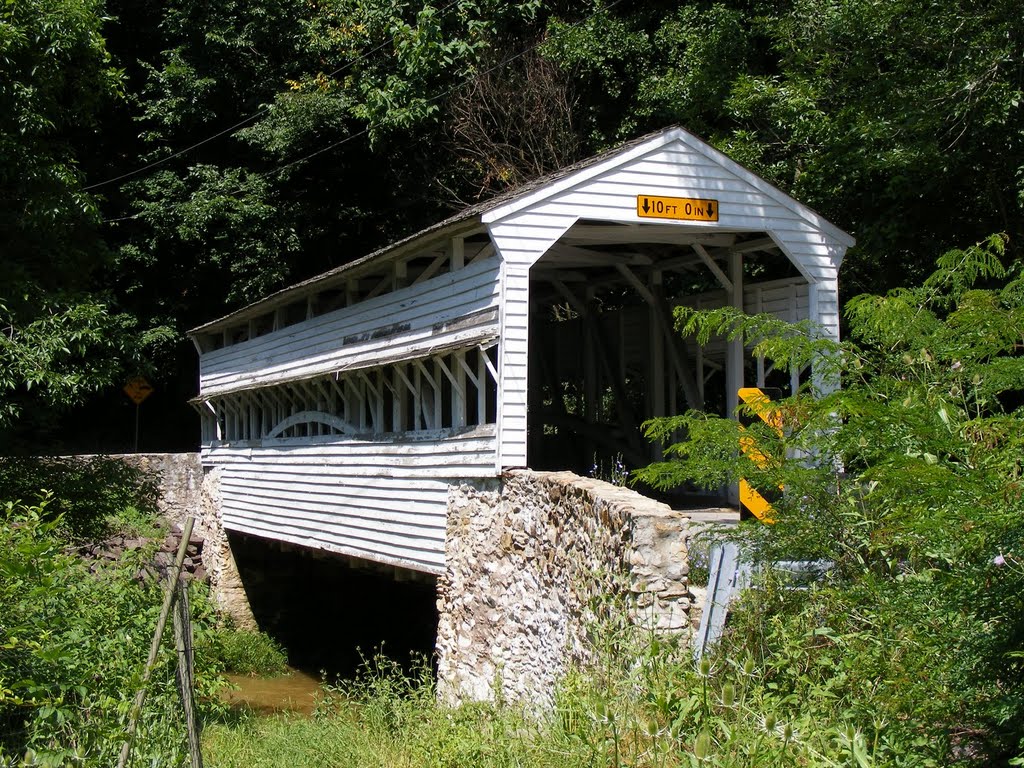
(351, 137)
(244, 121)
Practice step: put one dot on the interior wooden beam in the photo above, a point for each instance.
(627, 418)
(485, 252)
(439, 261)
(724, 281)
(646, 233)
(458, 248)
(761, 244)
(382, 284)
(661, 317)
(571, 255)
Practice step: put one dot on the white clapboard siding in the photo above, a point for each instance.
(385, 500)
(512, 365)
(455, 307)
(674, 164)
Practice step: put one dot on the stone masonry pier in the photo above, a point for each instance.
(533, 559)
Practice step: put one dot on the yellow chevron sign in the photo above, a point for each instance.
(761, 404)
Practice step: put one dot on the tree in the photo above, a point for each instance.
(59, 336)
(912, 495)
(899, 121)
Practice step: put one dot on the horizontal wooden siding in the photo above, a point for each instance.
(379, 500)
(407, 322)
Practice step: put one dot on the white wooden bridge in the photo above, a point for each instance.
(534, 329)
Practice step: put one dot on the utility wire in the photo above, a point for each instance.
(364, 131)
(242, 122)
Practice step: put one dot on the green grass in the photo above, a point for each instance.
(661, 711)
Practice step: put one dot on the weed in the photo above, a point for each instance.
(244, 652)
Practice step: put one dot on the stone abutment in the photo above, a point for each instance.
(533, 561)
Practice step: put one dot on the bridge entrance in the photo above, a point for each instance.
(604, 352)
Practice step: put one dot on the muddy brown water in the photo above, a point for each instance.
(296, 691)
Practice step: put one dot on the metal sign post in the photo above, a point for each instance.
(137, 389)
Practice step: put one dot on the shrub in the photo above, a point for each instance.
(913, 497)
(72, 649)
(93, 496)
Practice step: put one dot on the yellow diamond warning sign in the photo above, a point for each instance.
(681, 208)
(138, 389)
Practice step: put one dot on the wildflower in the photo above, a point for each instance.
(704, 668)
(999, 561)
(728, 694)
(702, 746)
(748, 666)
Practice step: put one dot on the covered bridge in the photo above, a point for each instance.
(531, 330)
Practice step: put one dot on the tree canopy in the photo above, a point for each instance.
(166, 162)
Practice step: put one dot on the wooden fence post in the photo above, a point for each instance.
(186, 673)
(154, 647)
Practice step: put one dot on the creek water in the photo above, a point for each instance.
(296, 691)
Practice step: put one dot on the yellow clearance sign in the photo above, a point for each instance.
(681, 208)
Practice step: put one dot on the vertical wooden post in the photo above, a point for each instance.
(590, 383)
(419, 412)
(459, 405)
(186, 673)
(734, 354)
(438, 404)
(458, 260)
(794, 374)
(401, 275)
(655, 369)
(482, 387)
(379, 400)
(398, 395)
(758, 306)
(657, 350)
(154, 646)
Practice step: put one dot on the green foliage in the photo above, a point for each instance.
(900, 121)
(61, 339)
(91, 496)
(245, 652)
(384, 717)
(66, 352)
(293, 136)
(644, 703)
(912, 496)
(72, 648)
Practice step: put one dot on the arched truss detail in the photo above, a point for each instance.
(453, 389)
(312, 417)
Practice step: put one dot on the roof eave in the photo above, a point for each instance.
(447, 228)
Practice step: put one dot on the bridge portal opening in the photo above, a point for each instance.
(331, 612)
(605, 354)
